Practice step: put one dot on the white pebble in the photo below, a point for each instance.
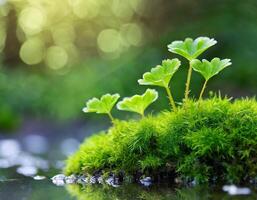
(234, 190)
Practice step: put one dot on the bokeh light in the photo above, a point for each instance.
(63, 33)
(2, 2)
(122, 10)
(85, 9)
(32, 20)
(109, 40)
(81, 28)
(32, 51)
(56, 57)
(131, 34)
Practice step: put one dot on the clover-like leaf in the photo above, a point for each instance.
(138, 103)
(191, 49)
(103, 105)
(210, 68)
(161, 74)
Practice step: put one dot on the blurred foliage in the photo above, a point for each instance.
(84, 57)
(59, 32)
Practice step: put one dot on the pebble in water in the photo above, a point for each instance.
(100, 180)
(147, 181)
(72, 179)
(39, 178)
(93, 180)
(83, 180)
(59, 179)
(112, 181)
(234, 190)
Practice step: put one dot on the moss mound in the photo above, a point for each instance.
(209, 140)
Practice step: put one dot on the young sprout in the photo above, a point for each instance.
(161, 76)
(138, 103)
(191, 49)
(103, 105)
(209, 69)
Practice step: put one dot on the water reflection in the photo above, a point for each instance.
(160, 192)
(25, 174)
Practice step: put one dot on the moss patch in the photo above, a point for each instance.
(209, 140)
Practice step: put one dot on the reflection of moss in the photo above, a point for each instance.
(129, 192)
(206, 140)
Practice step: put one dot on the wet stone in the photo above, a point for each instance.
(93, 180)
(100, 180)
(147, 181)
(234, 190)
(59, 179)
(38, 178)
(72, 179)
(83, 180)
(112, 181)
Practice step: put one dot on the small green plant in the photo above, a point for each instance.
(209, 69)
(103, 105)
(138, 103)
(161, 76)
(191, 49)
(199, 141)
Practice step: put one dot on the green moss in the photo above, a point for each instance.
(205, 140)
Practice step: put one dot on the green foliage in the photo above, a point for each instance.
(138, 103)
(93, 153)
(191, 49)
(161, 74)
(202, 140)
(211, 68)
(103, 105)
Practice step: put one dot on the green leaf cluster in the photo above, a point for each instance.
(138, 103)
(161, 74)
(191, 49)
(103, 105)
(211, 68)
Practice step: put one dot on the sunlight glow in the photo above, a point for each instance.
(109, 40)
(56, 57)
(32, 20)
(32, 51)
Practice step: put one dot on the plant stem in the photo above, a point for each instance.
(143, 114)
(202, 91)
(111, 117)
(189, 74)
(172, 102)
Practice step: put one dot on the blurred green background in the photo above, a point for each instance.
(56, 54)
